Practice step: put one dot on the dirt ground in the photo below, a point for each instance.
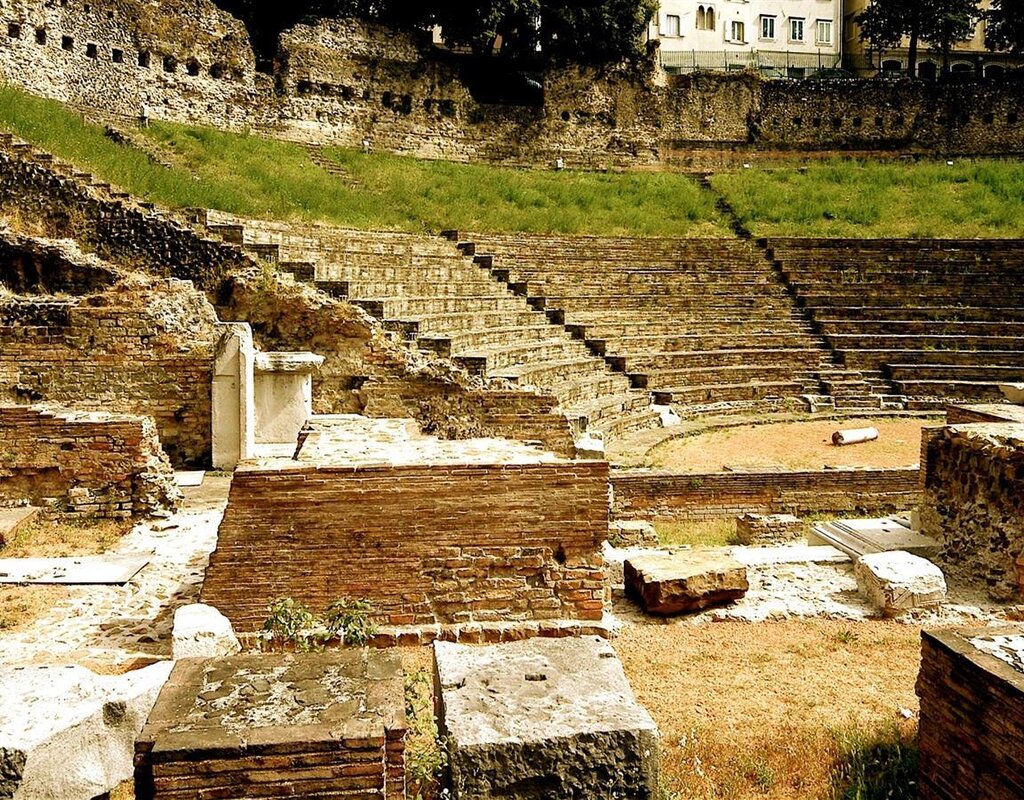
(20, 605)
(792, 445)
(756, 710)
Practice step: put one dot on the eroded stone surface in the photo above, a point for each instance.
(68, 733)
(201, 631)
(768, 529)
(898, 581)
(332, 721)
(632, 533)
(544, 718)
(687, 581)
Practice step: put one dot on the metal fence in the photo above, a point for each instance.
(782, 63)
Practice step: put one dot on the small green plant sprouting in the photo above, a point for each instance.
(290, 623)
(349, 621)
(426, 752)
(847, 636)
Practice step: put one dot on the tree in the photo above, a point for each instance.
(885, 23)
(1005, 29)
(481, 24)
(595, 32)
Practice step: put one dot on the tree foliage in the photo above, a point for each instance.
(940, 23)
(587, 31)
(1005, 29)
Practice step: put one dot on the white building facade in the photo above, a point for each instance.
(779, 37)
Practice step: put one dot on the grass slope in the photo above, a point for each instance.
(257, 177)
(845, 198)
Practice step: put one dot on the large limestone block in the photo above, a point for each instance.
(68, 734)
(898, 581)
(551, 718)
(201, 631)
(671, 583)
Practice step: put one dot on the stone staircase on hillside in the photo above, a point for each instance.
(434, 295)
(704, 324)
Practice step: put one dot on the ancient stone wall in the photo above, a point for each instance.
(426, 544)
(647, 495)
(974, 503)
(971, 725)
(185, 59)
(343, 82)
(141, 347)
(86, 464)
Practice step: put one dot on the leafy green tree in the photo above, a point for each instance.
(1005, 29)
(941, 23)
(595, 32)
(482, 24)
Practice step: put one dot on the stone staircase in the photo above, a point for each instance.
(432, 294)
(703, 324)
(929, 320)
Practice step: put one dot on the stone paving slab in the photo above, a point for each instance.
(673, 583)
(113, 569)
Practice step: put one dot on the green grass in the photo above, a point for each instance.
(844, 198)
(877, 765)
(257, 177)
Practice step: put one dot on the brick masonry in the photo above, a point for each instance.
(971, 727)
(84, 464)
(650, 495)
(301, 726)
(141, 347)
(974, 503)
(427, 545)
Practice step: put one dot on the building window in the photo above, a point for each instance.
(737, 31)
(14, 30)
(192, 67)
(170, 64)
(705, 18)
(144, 59)
(672, 25)
(796, 29)
(823, 32)
(768, 28)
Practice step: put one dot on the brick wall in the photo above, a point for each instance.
(646, 495)
(427, 545)
(972, 720)
(83, 463)
(141, 347)
(974, 503)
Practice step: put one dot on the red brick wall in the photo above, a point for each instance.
(102, 465)
(972, 721)
(426, 544)
(644, 495)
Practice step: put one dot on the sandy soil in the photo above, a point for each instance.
(753, 710)
(792, 445)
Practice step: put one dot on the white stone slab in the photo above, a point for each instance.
(107, 569)
(189, 478)
(897, 581)
(793, 554)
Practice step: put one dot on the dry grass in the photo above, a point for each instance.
(697, 533)
(21, 605)
(792, 446)
(761, 711)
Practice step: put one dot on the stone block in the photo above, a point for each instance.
(301, 725)
(632, 533)
(671, 583)
(897, 581)
(68, 733)
(768, 529)
(551, 718)
(201, 631)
